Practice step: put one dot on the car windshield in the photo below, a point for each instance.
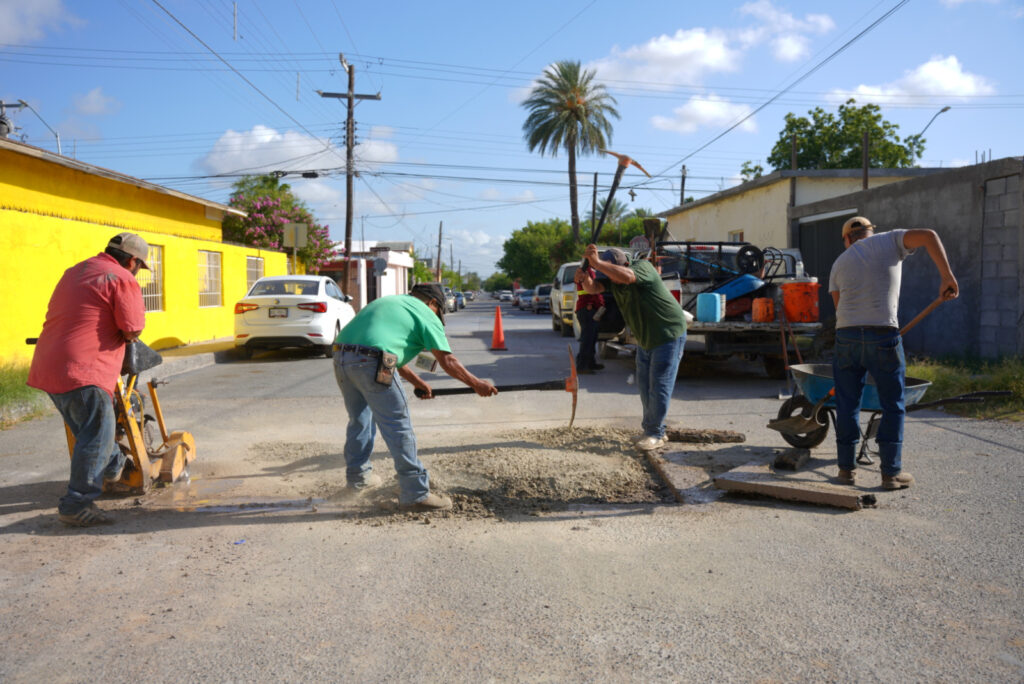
(568, 274)
(285, 287)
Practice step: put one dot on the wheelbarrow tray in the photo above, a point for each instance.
(815, 380)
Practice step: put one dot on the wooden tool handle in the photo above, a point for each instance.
(550, 385)
(919, 317)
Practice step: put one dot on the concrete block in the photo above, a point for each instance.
(992, 251)
(1008, 316)
(1006, 340)
(1010, 253)
(990, 269)
(996, 186)
(993, 202)
(987, 335)
(1009, 269)
(1009, 287)
(998, 235)
(1010, 200)
(1011, 219)
(992, 220)
(990, 319)
(988, 350)
(1013, 184)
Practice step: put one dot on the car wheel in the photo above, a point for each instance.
(566, 330)
(328, 349)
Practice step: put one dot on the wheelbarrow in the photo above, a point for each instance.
(814, 382)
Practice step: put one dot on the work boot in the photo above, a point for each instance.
(597, 366)
(87, 516)
(433, 502)
(897, 481)
(651, 443)
(370, 481)
(846, 477)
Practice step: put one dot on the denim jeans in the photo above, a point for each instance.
(89, 412)
(869, 350)
(586, 357)
(371, 405)
(656, 379)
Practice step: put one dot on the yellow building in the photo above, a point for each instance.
(56, 211)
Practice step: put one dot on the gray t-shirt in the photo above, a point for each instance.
(867, 277)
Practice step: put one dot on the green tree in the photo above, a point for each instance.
(568, 110)
(533, 253)
(498, 281)
(420, 273)
(827, 141)
(471, 281)
(750, 171)
(269, 204)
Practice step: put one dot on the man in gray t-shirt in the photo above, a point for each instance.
(865, 287)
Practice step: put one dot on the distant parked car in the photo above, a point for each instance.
(470, 295)
(291, 311)
(541, 300)
(449, 301)
(525, 300)
(505, 296)
(460, 300)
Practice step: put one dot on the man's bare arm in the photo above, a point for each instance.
(453, 367)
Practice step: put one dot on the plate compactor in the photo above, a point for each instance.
(149, 461)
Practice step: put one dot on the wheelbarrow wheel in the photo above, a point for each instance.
(801, 405)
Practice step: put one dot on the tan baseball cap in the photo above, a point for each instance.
(132, 244)
(856, 223)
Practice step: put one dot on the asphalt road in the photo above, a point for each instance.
(925, 587)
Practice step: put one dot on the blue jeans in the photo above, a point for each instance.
(586, 358)
(89, 412)
(869, 350)
(371, 405)
(656, 371)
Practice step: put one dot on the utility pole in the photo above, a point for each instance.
(682, 187)
(350, 134)
(440, 229)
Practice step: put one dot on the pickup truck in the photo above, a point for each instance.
(691, 268)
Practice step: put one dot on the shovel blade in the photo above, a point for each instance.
(795, 425)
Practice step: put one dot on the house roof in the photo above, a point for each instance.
(776, 176)
(91, 169)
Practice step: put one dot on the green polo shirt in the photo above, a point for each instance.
(400, 324)
(649, 309)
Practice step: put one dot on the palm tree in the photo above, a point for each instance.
(568, 110)
(616, 212)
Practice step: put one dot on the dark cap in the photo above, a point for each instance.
(615, 256)
(431, 292)
(132, 245)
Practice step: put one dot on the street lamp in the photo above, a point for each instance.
(935, 116)
(55, 133)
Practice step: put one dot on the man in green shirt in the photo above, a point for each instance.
(381, 340)
(656, 321)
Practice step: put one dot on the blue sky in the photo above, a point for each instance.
(128, 86)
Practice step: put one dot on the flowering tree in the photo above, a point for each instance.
(270, 204)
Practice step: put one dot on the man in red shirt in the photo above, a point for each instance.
(587, 307)
(96, 307)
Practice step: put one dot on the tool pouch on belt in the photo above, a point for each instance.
(386, 368)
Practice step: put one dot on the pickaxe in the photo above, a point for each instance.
(569, 384)
(624, 161)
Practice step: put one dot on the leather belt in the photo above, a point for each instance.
(358, 349)
(871, 328)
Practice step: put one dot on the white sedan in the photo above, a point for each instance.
(291, 311)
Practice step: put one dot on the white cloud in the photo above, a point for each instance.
(703, 111)
(787, 35)
(935, 81)
(22, 21)
(95, 103)
(496, 195)
(957, 3)
(316, 192)
(263, 149)
(684, 57)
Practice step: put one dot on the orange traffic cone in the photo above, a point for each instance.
(498, 339)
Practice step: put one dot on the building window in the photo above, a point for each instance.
(735, 236)
(152, 281)
(253, 271)
(209, 279)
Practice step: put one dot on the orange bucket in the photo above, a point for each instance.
(763, 310)
(800, 300)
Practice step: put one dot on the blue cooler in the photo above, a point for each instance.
(710, 307)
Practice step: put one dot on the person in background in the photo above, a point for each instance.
(656, 321)
(865, 287)
(95, 309)
(379, 342)
(587, 307)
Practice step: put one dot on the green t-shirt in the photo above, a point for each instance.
(650, 310)
(400, 324)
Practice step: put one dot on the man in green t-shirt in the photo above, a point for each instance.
(382, 339)
(656, 321)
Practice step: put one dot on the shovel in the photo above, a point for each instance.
(798, 425)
